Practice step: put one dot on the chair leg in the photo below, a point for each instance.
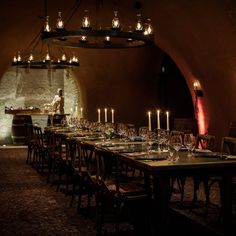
(196, 184)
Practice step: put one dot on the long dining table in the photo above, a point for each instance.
(163, 170)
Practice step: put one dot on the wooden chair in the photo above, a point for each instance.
(180, 180)
(206, 142)
(117, 194)
(57, 158)
(40, 150)
(83, 175)
(228, 145)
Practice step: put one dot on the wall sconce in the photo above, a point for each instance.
(197, 89)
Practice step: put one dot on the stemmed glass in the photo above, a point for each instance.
(132, 133)
(176, 143)
(162, 139)
(189, 142)
(151, 138)
(121, 130)
(143, 132)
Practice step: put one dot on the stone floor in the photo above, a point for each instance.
(31, 206)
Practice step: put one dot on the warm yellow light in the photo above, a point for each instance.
(107, 38)
(31, 57)
(83, 39)
(47, 27)
(86, 20)
(19, 57)
(148, 28)
(47, 57)
(74, 59)
(115, 21)
(63, 57)
(196, 85)
(60, 23)
(139, 24)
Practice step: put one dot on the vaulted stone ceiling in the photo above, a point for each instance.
(199, 36)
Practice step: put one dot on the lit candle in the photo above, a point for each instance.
(81, 112)
(167, 121)
(105, 112)
(112, 115)
(149, 121)
(158, 119)
(99, 115)
(76, 111)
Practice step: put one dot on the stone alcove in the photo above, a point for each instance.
(21, 88)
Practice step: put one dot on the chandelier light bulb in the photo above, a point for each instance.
(47, 27)
(19, 57)
(31, 57)
(74, 59)
(115, 22)
(148, 28)
(107, 39)
(60, 23)
(63, 57)
(139, 24)
(86, 21)
(47, 57)
(83, 39)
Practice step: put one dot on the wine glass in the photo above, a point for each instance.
(162, 139)
(176, 143)
(121, 130)
(132, 133)
(142, 132)
(189, 142)
(151, 138)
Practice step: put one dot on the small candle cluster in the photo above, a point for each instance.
(105, 115)
(75, 112)
(158, 113)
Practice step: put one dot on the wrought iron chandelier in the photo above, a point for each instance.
(39, 55)
(87, 36)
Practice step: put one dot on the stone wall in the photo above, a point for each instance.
(21, 88)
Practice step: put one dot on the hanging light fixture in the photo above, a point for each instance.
(38, 58)
(42, 60)
(140, 34)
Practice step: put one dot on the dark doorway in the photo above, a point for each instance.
(173, 92)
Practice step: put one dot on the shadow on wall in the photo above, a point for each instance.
(22, 88)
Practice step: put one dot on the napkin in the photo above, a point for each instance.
(137, 153)
(229, 157)
(197, 150)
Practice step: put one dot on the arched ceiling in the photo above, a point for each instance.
(199, 36)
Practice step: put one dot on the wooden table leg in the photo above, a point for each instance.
(226, 203)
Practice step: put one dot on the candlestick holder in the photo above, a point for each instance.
(159, 140)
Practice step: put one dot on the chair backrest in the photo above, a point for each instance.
(205, 141)
(228, 145)
(177, 132)
(38, 135)
(232, 129)
(85, 155)
(105, 164)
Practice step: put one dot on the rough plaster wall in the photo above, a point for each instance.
(22, 88)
